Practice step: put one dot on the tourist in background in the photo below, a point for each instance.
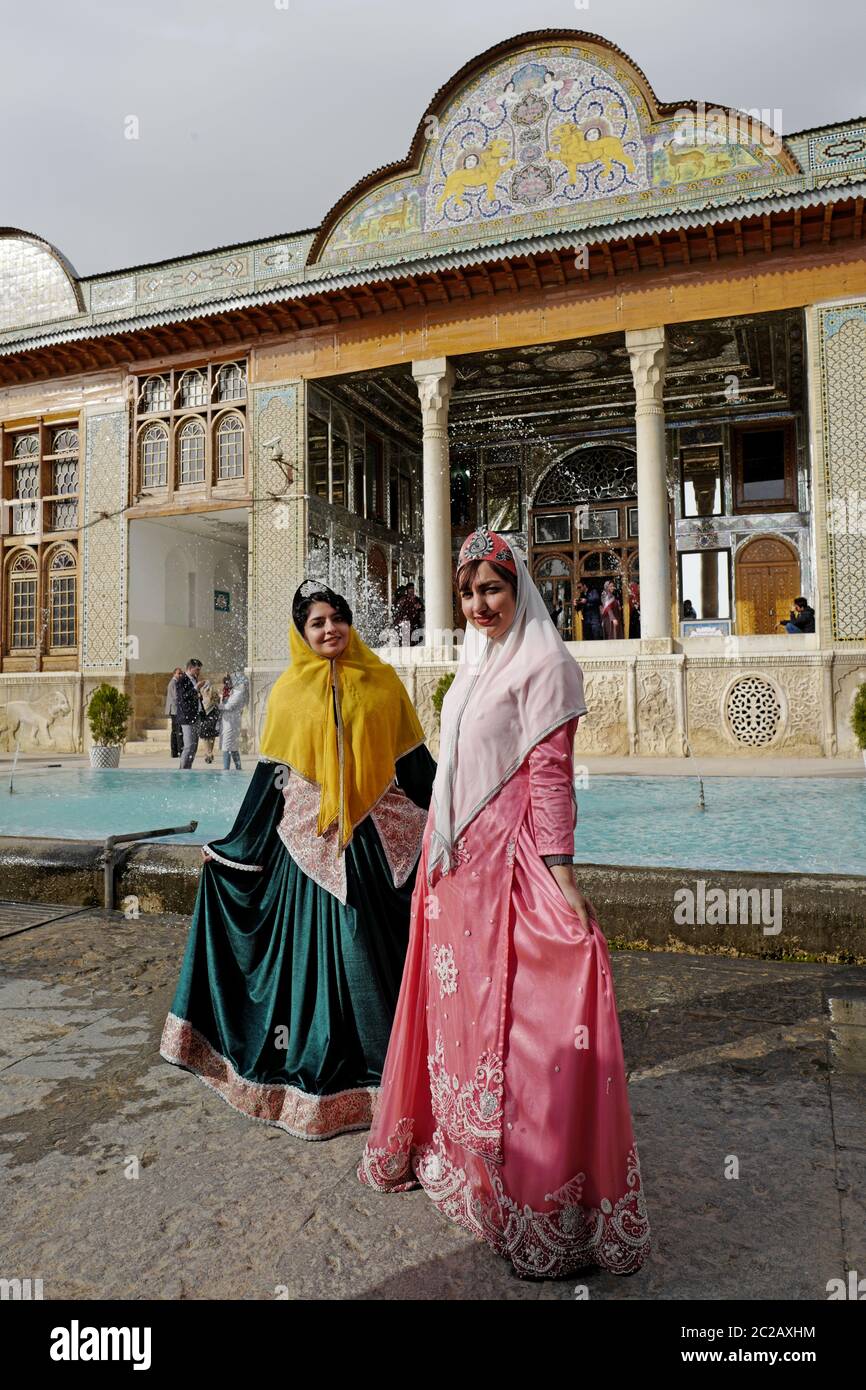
(579, 605)
(802, 617)
(171, 712)
(689, 613)
(611, 611)
(408, 614)
(209, 720)
(592, 628)
(634, 609)
(188, 710)
(504, 1091)
(231, 707)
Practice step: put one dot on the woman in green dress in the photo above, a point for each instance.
(295, 954)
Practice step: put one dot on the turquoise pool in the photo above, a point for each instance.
(814, 825)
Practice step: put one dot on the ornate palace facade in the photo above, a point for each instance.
(630, 334)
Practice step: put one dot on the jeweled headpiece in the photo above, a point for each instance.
(486, 545)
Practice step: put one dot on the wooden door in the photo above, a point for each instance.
(768, 581)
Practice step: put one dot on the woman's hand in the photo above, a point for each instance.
(564, 875)
(205, 854)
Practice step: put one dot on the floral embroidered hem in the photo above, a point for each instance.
(299, 1113)
(540, 1244)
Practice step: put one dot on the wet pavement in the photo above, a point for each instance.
(124, 1177)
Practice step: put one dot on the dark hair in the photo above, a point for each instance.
(193, 661)
(801, 602)
(302, 603)
(468, 570)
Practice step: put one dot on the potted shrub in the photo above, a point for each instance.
(441, 691)
(858, 719)
(108, 713)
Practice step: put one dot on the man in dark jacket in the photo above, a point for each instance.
(188, 709)
(802, 617)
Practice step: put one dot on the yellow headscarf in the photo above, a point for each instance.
(353, 758)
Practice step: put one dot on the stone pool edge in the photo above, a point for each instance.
(821, 914)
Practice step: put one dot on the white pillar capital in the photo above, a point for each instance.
(434, 379)
(647, 352)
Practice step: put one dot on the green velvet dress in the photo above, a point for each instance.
(286, 994)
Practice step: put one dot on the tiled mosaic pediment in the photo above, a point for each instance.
(551, 135)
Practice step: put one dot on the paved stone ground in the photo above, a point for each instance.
(760, 1060)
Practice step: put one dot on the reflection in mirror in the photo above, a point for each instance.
(502, 499)
(705, 584)
(702, 481)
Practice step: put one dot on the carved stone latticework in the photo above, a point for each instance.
(753, 711)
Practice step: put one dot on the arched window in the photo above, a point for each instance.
(26, 446)
(65, 442)
(553, 566)
(25, 452)
(64, 481)
(190, 452)
(153, 456)
(199, 441)
(231, 382)
(62, 599)
(230, 447)
(589, 475)
(192, 390)
(155, 395)
(23, 586)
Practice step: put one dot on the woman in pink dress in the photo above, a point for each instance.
(503, 1093)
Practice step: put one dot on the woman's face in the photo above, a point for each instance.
(325, 631)
(488, 602)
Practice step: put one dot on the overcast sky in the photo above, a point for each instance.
(254, 119)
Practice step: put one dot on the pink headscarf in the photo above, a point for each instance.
(509, 693)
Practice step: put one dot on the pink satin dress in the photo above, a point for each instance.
(504, 1093)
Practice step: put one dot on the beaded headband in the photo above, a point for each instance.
(311, 586)
(486, 545)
